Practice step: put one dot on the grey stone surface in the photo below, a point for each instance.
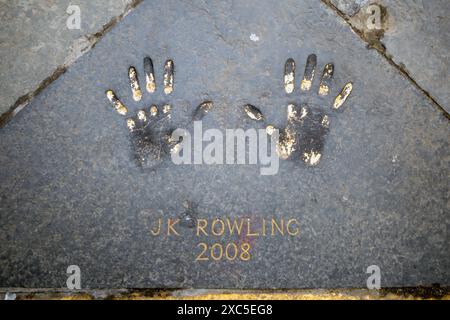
(71, 194)
(416, 38)
(349, 7)
(35, 41)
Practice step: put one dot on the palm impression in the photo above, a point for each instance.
(307, 124)
(149, 129)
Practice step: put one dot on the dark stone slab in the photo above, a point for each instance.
(71, 193)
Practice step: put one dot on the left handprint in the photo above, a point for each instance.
(149, 127)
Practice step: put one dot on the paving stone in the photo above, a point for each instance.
(415, 36)
(71, 193)
(418, 40)
(35, 40)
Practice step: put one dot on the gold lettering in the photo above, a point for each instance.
(155, 233)
(170, 226)
(201, 256)
(202, 227)
(213, 229)
(235, 225)
(249, 234)
(297, 229)
(276, 225)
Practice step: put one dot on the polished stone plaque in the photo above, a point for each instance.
(349, 178)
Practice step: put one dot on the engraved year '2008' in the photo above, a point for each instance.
(230, 251)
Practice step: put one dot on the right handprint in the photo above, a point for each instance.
(307, 123)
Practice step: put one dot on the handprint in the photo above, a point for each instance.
(307, 124)
(149, 128)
